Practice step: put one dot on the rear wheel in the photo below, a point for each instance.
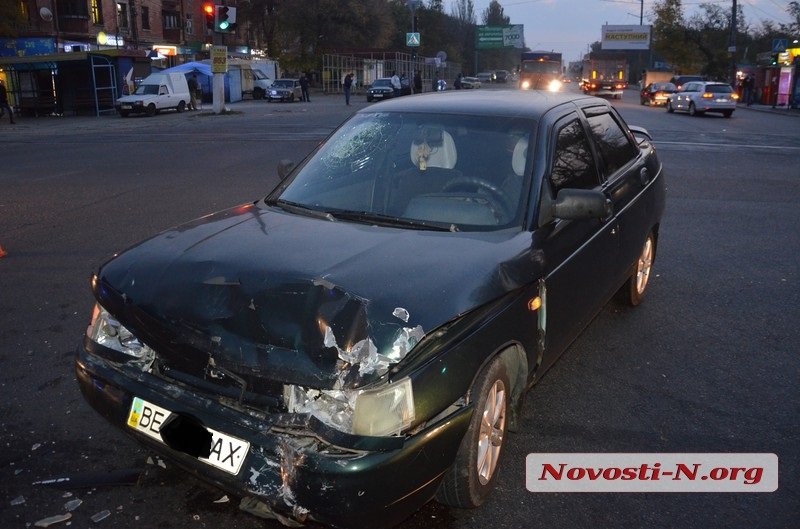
(258, 93)
(181, 106)
(635, 287)
(727, 113)
(468, 482)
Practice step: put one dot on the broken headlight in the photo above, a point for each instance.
(385, 410)
(108, 332)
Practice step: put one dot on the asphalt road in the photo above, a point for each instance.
(707, 364)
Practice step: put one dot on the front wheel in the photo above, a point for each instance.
(469, 481)
(693, 110)
(632, 293)
(727, 113)
(669, 107)
(151, 110)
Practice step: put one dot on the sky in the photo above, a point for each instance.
(570, 26)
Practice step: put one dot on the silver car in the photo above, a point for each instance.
(285, 90)
(699, 97)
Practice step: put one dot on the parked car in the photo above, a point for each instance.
(656, 93)
(699, 97)
(380, 89)
(470, 82)
(285, 90)
(680, 80)
(157, 92)
(486, 77)
(502, 76)
(359, 341)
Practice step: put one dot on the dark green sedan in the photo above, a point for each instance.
(359, 340)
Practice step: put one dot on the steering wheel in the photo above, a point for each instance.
(473, 183)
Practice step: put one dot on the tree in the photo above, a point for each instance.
(709, 31)
(494, 16)
(670, 39)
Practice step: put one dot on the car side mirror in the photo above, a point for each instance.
(640, 134)
(581, 204)
(285, 167)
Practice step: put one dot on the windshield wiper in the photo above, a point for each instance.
(386, 220)
(300, 209)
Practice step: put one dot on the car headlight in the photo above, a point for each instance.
(108, 332)
(526, 84)
(554, 86)
(385, 410)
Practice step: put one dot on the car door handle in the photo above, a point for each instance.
(644, 176)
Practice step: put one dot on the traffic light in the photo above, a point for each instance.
(208, 10)
(225, 19)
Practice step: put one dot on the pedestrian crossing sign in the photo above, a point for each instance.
(412, 39)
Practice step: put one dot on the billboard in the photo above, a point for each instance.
(497, 37)
(626, 37)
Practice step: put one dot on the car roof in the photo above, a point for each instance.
(511, 103)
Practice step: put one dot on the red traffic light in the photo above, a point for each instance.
(208, 8)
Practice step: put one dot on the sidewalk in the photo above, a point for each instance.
(785, 111)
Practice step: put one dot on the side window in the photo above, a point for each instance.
(614, 146)
(573, 163)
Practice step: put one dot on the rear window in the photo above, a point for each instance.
(719, 88)
(664, 86)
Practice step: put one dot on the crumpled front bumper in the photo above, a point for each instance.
(290, 472)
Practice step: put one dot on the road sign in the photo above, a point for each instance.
(412, 39)
(498, 37)
(779, 45)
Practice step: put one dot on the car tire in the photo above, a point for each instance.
(469, 481)
(369, 99)
(642, 101)
(633, 291)
(181, 107)
(727, 113)
(693, 110)
(124, 113)
(291, 99)
(258, 93)
(669, 107)
(151, 110)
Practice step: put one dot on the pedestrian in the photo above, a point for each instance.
(417, 82)
(749, 89)
(193, 86)
(457, 82)
(396, 86)
(348, 82)
(4, 102)
(304, 88)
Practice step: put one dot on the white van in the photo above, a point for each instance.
(157, 92)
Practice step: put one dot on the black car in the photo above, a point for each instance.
(656, 93)
(680, 80)
(359, 341)
(380, 89)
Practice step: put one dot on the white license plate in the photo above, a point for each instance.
(126, 107)
(227, 452)
(377, 96)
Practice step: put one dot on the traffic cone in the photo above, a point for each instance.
(3, 252)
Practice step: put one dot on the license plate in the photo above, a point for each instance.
(377, 96)
(227, 452)
(126, 107)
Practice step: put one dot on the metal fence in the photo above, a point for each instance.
(368, 66)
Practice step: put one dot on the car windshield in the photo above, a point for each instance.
(423, 171)
(283, 83)
(382, 83)
(719, 88)
(541, 67)
(147, 89)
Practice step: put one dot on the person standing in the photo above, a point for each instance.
(417, 83)
(396, 86)
(348, 83)
(457, 82)
(4, 101)
(304, 88)
(192, 83)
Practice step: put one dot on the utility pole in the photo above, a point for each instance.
(732, 46)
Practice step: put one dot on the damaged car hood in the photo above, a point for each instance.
(288, 298)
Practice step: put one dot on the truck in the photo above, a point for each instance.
(540, 70)
(605, 75)
(156, 92)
